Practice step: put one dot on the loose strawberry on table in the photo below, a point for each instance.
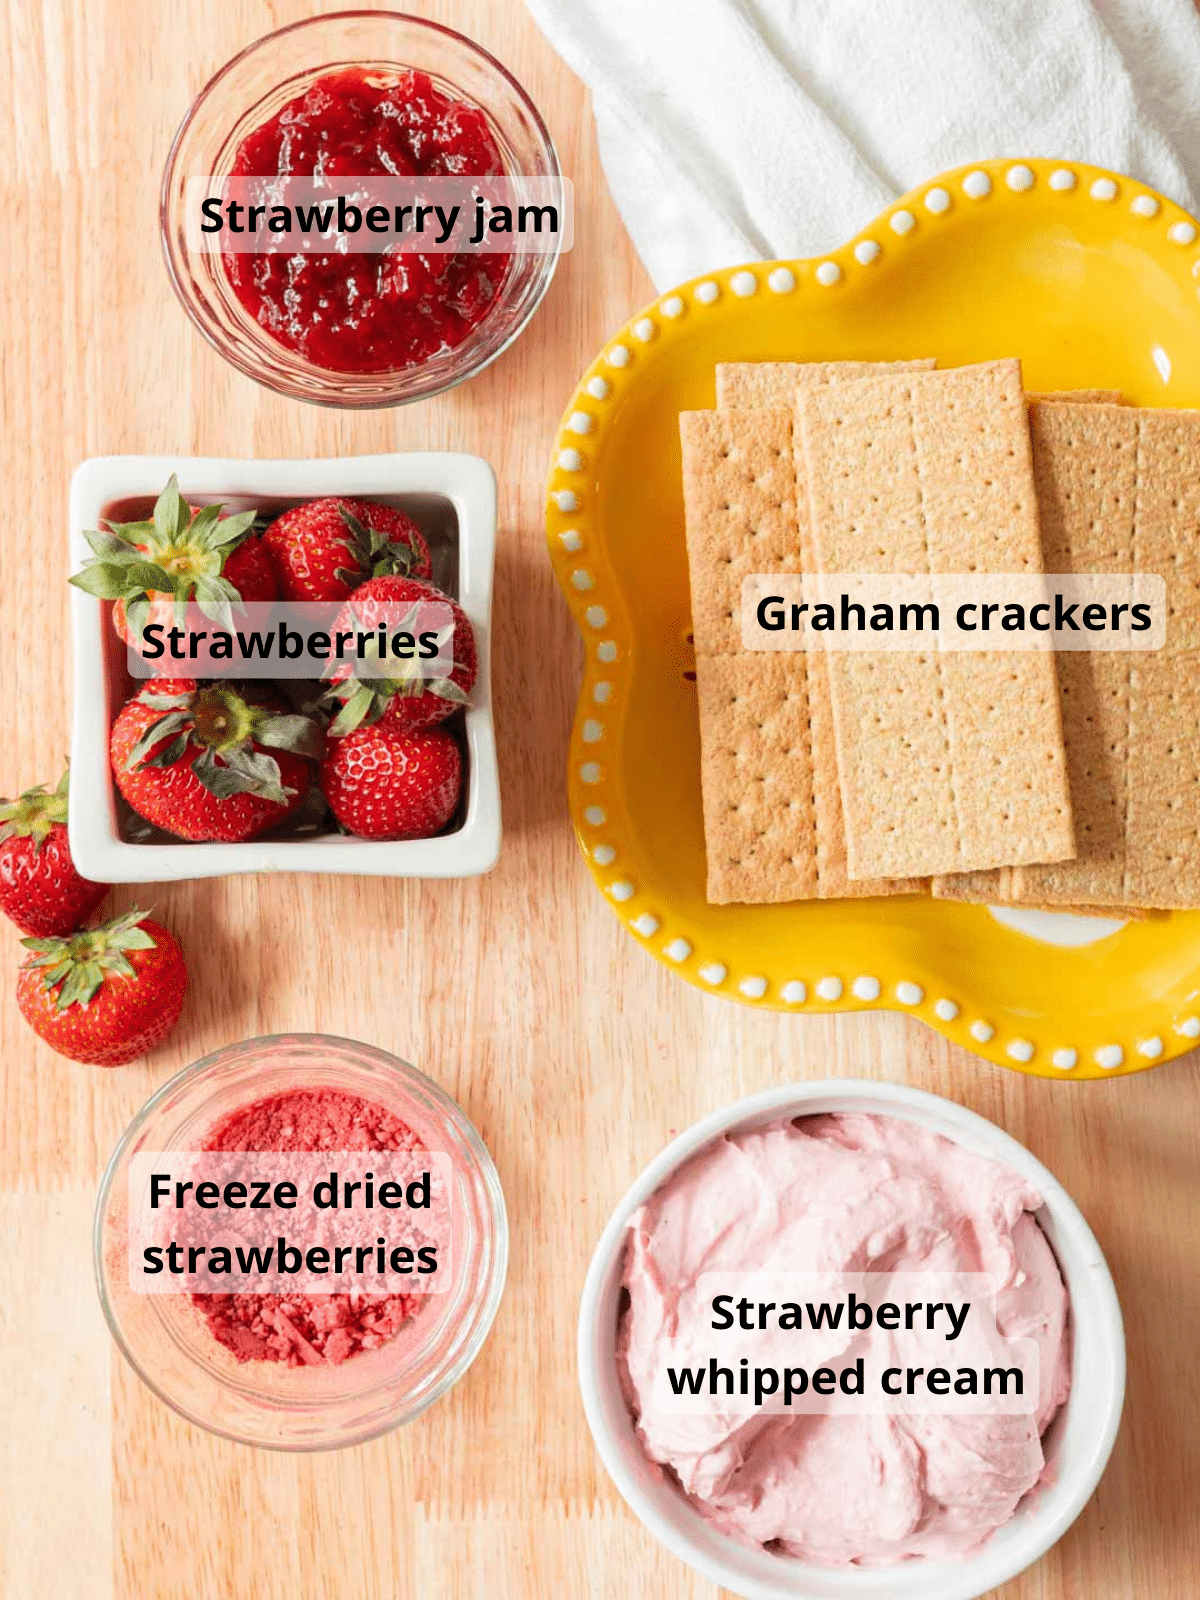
(107, 995)
(384, 783)
(213, 762)
(326, 548)
(39, 887)
(404, 699)
(152, 569)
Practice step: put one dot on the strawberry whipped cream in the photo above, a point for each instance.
(842, 1194)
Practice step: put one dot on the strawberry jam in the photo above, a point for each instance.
(363, 312)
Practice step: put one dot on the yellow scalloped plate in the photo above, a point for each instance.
(1093, 281)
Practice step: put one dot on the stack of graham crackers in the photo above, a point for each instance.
(1070, 781)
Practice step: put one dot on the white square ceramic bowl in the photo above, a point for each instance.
(457, 492)
(1077, 1443)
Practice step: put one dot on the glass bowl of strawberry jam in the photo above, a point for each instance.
(366, 94)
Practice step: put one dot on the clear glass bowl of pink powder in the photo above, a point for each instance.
(268, 1403)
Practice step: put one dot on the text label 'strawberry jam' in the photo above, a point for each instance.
(387, 359)
(363, 313)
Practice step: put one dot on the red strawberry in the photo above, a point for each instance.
(325, 549)
(107, 995)
(39, 886)
(210, 762)
(403, 699)
(151, 568)
(382, 783)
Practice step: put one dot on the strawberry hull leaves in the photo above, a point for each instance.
(211, 763)
(324, 549)
(367, 702)
(373, 552)
(40, 888)
(105, 995)
(81, 964)
(150, 751)
(178, 556)
(400, 695)
(241, 772)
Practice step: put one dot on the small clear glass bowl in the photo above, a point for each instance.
(248, 91)
(266, 1403)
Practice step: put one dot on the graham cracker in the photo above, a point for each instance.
(994, 887)
(739, 502)
(743, 384)
(757, 781)
(990, 888)
(747, 384)
(948, 762)
(1079, 397)
(1119, 490)
(740, 505)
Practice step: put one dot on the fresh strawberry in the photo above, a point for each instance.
(403, 699)
(152, 569)
(106, 995)
(39, 886)
(382, 783)
(326, 548)
(211, 762)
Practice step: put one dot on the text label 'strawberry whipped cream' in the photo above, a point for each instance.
(820, 1197)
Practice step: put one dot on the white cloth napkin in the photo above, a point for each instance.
(735, 130)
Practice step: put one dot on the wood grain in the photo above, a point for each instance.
(575, 1054)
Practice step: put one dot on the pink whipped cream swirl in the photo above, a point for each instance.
(842, 1193)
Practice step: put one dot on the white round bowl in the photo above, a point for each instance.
(1077, 1443)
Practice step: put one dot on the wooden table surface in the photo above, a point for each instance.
(576, 1055)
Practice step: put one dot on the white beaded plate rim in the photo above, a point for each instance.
(586, 581)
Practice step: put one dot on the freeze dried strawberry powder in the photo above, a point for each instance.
(304, 1329)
